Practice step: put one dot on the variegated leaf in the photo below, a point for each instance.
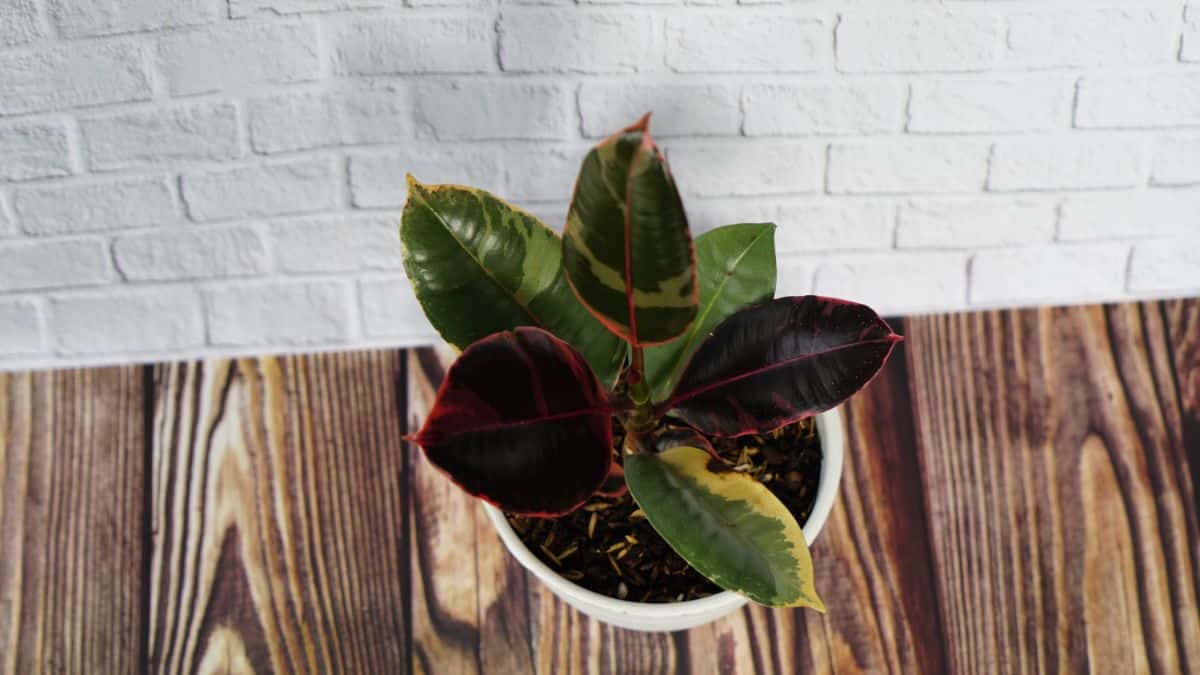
(626, 246)
(725, 524)
(736, 268)
(479, 265)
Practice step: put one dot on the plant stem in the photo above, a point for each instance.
(641, 418)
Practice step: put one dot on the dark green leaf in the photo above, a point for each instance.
(626, 246)
(521, 421)
(479, 265)
(736, 268)
(780, 362)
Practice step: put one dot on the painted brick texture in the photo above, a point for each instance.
(201, 177)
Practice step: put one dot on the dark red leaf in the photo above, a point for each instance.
(521, 421)
(780, 362)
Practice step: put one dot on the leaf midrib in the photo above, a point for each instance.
(675, 400)
(699, 321)
(488, 273)
(748, 544)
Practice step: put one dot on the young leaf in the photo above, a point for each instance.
(725, 524)
(736, 268)
(626, 246)
(521, 421)
(479, 265)
(780, 362)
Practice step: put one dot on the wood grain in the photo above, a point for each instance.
(1020, 495)
(279, 516)
(1063, 521)
(469, 609)
(72, 451)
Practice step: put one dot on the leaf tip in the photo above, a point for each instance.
(413, 183)
(643, 123)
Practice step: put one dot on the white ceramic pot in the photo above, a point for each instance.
(645, 616)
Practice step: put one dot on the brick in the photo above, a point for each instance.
(79, 74)
(20, 327)
(95, 206)
(741, 168)
(239, 56)
(239, 9)
(907, 166)
(917, 40)
(161, 137)
(158, 321)
(294, 186)
(965, 223)
(52, 264)
(480, 110)
(1166, 265)
(540, 174)
(1079, 36)
(977, 106)
(1176, 161)
(1138, 100)
(746, 43)
(1062, 272)
(34, 150)
(680, 109)
(343, 243)
(1134, 214)
(415, 44)
(8, 224)
(292, 122)
(794, 276)
(1065, 165)
(481, 4)
(824, 108)
(583, 41)
(806, 227)
(19, 22)
(377, 178)
(376, 113)
(190, 254)
(381, 113)
(707, 214)
(77, 18)
(279, 313)
(389, 309)
(897, 283)
(1190, 50)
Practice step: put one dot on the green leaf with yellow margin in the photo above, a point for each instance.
(725, 524)
(479, 265)
(736, 268)
(626, 246)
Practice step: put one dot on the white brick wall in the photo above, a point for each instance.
(193, 177)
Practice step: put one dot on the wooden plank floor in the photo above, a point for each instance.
(1020, 496)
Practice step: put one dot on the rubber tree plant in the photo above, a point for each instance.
(623, 317)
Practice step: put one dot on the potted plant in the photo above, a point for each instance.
(637, 411)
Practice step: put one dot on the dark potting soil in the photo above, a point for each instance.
(609, 547)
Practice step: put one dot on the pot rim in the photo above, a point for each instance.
(829, 428)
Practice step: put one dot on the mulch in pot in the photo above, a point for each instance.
(609, 547)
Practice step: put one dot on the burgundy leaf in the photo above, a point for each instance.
(780, 362)
(521, 421)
